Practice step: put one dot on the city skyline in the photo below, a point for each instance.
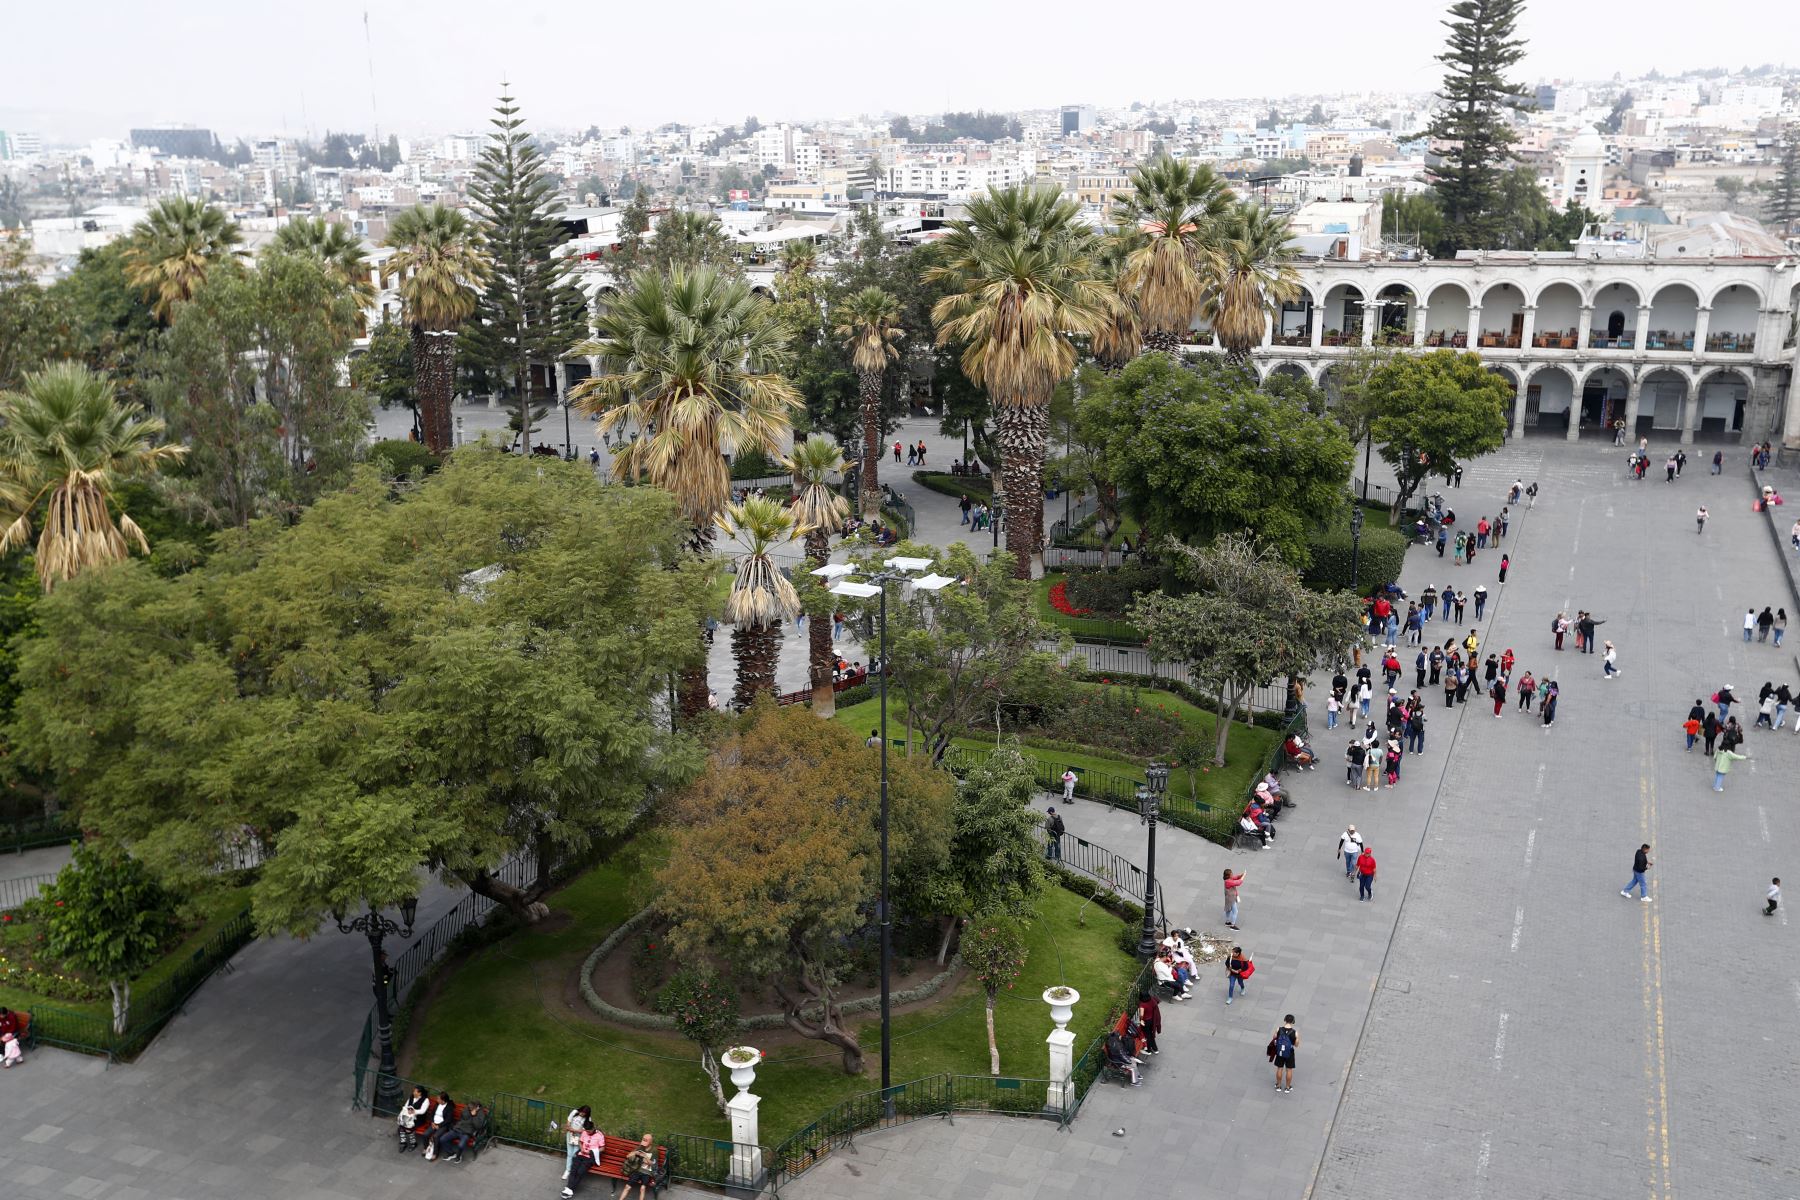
(740, 63)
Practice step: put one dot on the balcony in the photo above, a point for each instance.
(1599, 341)
(1499, 341)
(1731, 343)
(1456, 339)
(1668, 339)
(1568, 339)
(1301, 338)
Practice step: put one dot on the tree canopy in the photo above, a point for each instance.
(1433, 411)
(1199, 451)
(412, 677)
(1481, 49)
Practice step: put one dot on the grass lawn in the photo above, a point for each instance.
(502, 1023)
(1089, 536)
(216, 911)
(1102, 629)
(1219, 788)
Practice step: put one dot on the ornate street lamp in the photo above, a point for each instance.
(375, 927)
(901, 569)
(1149, 797)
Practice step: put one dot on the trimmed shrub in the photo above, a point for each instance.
(403, 459)
(1109, 591)
(977, 488)
(1383, 552)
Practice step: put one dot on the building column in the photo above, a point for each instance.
(1473, 333)
(1642, 338)
(1633, 393)
(1587, 326)
(1318, 328)
(1575, 390)
(1690, 415)
(1702, 327)
(1268, 337)
(1529, 328)
(1419, 324)
(1368, 326)
(1518, 421)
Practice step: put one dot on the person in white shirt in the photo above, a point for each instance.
(1774, 897)
(1068, 782)
(1165, 974)
(1350, 845)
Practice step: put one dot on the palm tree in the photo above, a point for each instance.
(170, 253)
(440, 258)
(761, 597)
(869, 323)
(1023, 278)
(1249, 274)
(1176, 205)
(818, 509)
(692, 357)
(67, 440)
(799, 258)
(334, 246)
(1120, 338)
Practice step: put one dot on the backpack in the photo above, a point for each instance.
(1554, 623)
(1284, 1042)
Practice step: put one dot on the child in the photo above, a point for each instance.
(15, 1053)
(1332, 707)
(1691, 727)
(1774, 903)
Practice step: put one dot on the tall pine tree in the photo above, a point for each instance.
(1477, 97)
(1783, 207)
(531, 312)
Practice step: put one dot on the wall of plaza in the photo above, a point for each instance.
(1680, 347)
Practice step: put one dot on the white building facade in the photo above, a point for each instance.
(1679, 348)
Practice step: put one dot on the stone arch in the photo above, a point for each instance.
(1736, 312)
(1742, 285)
(1330, 381)
(1550, 398)
(1287, 367)
(1720, 396)
(1663, 395)
(1616, 303)
(1602, 394)
(1674, 316)
(1343, 312)
(1502, 315)
(1395, 311)
(1558, 321)
(1537, 297)
(1446, 314)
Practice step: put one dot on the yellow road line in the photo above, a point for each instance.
(1656, 1065)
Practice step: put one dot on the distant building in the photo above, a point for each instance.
(19, 144)
(177, 141)
(1077, 119)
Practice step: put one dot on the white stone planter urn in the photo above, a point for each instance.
(742, 1062)
(1062, 1002)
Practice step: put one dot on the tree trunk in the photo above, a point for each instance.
(1162, 341)
(951, 925)
(828, 1028)
(869, 486)
(993, 1046)
(434, 372)
(756, 648)
(1227, 714)
(818, 633)
(544, 849)
(121, 1000)
(709, 1063)
(514, 900)
(1024, 430)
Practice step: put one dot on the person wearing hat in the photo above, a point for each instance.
(1350, 845)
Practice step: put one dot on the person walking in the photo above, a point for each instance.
(1365, 874)
(1353, 763)
(1415, 728)
(1724, 699)
(1501, 523)
(1498, 692)
(1364, 694)
(1718, 463)
(1749, 623)
(1779, 626)
(1709, 733)
(1373, 758)
(1332, 707)
(1350, 844)
(1700, 520)
(1461, 548)
(1462, 599)
(1559, 625)
(1053, 834)
(1281, 1052)
(1531, 495)
(965, 504)
(1722, 765)
(1547, 695)
(1784, 696)
(1238, 970)
(1691, 727)
(1773, 898)
(1609, 663)
(1505, 562)
(1480, 600)
(1443, 537)
(1232, 883)
(1640, 867)
(1481, 532)
(1452, 677)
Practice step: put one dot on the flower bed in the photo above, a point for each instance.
(1059, 600)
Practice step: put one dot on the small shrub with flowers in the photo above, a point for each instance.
(706, 1013)
(993, 948)
(1059, 600)
(1125, 719)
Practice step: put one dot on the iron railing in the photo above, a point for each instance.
(1120, 876)
(1087, 1067)
(15, 892)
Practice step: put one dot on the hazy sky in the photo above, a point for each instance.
(252, 66)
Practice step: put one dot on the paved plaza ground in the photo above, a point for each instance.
(1497, 1022)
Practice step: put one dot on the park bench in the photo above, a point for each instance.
(469, 1154)
(27, 1037)
(612, 1162)
(1123, 1026)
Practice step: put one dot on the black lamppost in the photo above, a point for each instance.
(996, 511)
(900, 568)
(1149, 798)
(1356, 524)
(376, 927)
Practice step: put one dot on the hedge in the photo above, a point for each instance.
(979, 488)
(1110, 591)
(403, 458)
(1382, 554)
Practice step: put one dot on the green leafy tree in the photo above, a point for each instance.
(36, 323)
(428, 678)
(994, 949)
(1249, 273)
(1478, 97)
(384, 372)
(1248, 621)
(705, 1011)
(869, 323)
(107, 916)
(117, 330)
(1731, 187)
(441, 260)
(338, 250)
(1433, 412)
(1202, 452)
(959, 652)
(994, 866)
(691, 240)
(251, 384)
(1418, 215)
(530, 311)
(774, 856)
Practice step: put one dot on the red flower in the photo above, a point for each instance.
(59, 904)
(1059, 600)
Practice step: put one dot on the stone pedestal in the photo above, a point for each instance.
(746, 1151)
(1061, 1092)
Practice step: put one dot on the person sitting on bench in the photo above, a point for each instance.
(1164, 966)
(593, 1145)
(1119, 1056)
(463, 1134)
(1299, 752)
(640, 1168)
(411, 1114)
(1249, 826)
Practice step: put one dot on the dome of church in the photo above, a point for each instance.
(1587, 144)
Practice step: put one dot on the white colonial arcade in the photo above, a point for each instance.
(1684, 347)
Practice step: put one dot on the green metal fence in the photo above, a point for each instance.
(1088, 1066)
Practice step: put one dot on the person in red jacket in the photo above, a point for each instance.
(1365, 874)
(1149, 1020)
